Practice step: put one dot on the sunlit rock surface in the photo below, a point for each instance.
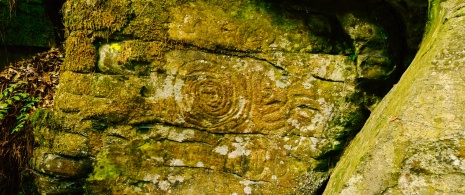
(414, 141)
(209, 97)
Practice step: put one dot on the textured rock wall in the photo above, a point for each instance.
(414, 141)
(209, 97)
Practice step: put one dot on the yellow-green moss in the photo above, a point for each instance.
(81, 55)
(378, 154)
(42, 122)
(150, 21)
(110, 16)
(104, 168)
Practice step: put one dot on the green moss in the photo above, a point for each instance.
(81, 55)
(41, 121)
(116, 47)
(433, 13)
(260, 8)
(110, 16)
(40, 117)
(150, 23)
(104, 169)
(145, 146)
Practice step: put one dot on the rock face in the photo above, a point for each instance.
(414, 141)
(209, 97)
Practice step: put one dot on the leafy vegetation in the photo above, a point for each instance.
(9, 98)
(25, 87)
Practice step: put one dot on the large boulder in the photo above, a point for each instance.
(414, 141)
(210, 97)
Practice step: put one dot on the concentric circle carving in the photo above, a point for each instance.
(216, 102)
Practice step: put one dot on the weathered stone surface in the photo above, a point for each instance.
(413, 142)
(213, 97)
(70, 144)
(49, 185)
(61, 166)
(371, 42)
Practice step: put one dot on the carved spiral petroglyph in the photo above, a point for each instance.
(223, 94)
(213, 101)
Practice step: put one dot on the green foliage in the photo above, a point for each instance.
(10, 98)
(40, 117)
(353, 57)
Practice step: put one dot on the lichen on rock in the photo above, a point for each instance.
(214, 97)
(413, 142)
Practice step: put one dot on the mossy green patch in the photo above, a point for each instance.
(42, 122)
(108, 16)
(102, 86)
(433, 15)
(116, 47)
(81, 55)
(104, 168)
(280, 17)
(150, 21)
(71, 144)
(40, 117)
